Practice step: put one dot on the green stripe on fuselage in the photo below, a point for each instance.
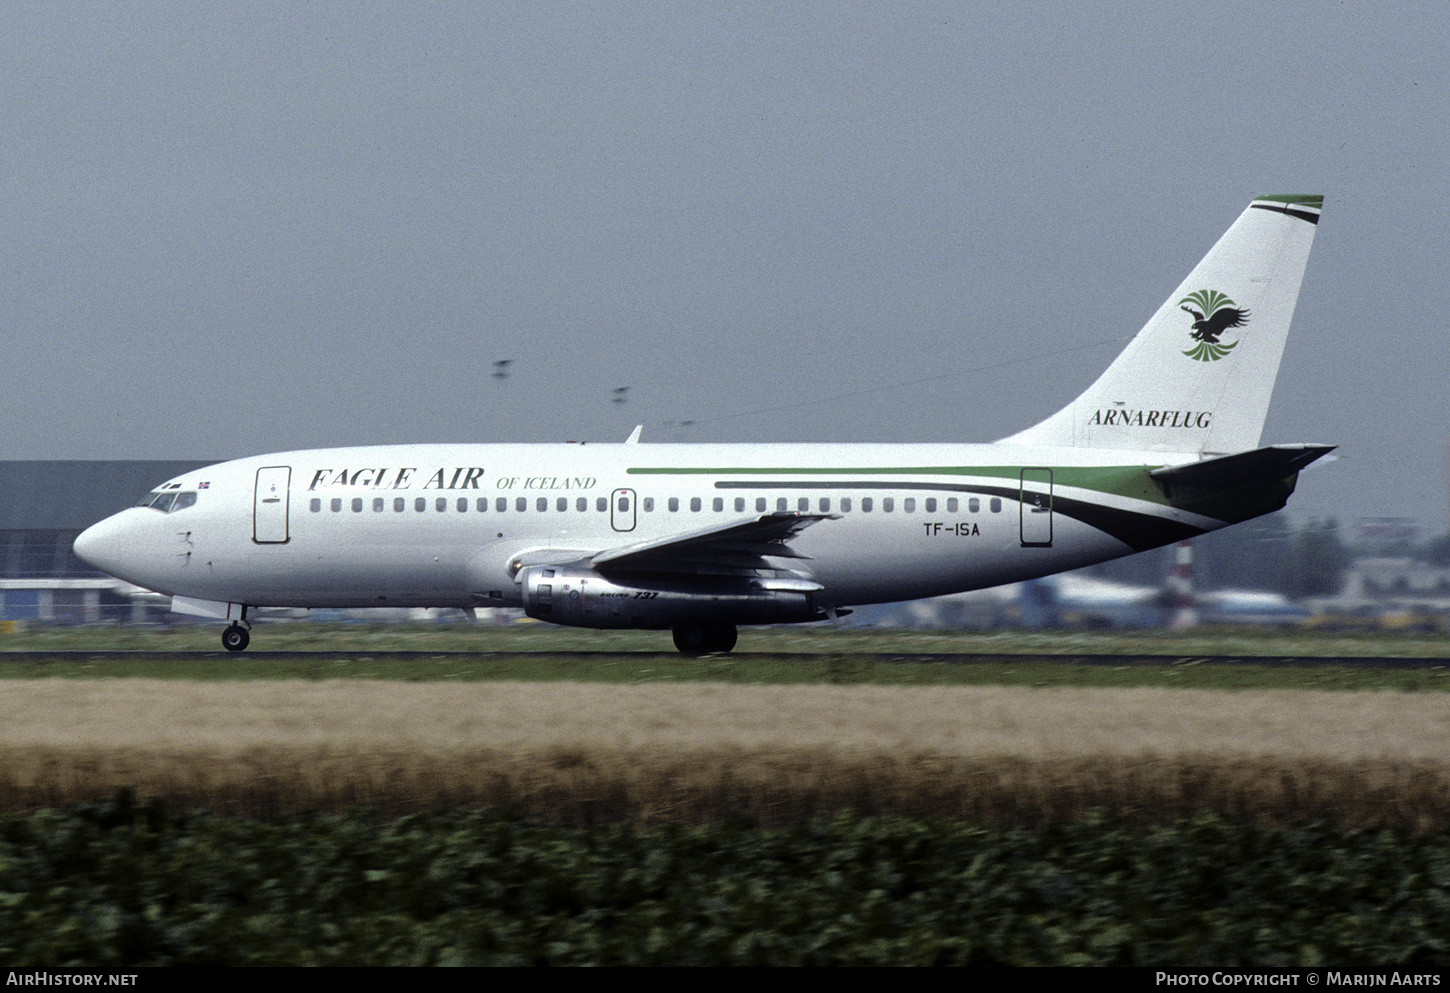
(1139, 529)
(1126, 481)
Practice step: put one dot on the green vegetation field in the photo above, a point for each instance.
(114, 885)
(797, 802)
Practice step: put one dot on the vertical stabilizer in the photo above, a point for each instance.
(1198, 377)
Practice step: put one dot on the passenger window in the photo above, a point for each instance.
(315, 505)
(542, 503)
(825, 505)
(996, 505)
(760, 505)
(398, 504)
(865, 505)
(336, 504)
(781, 503)
(624, 505)
(908, 504)
(739, 505)
(803, 504)
(462, 504)
(378, 504)
(601, 504)
(648, 503)
(951, 505)
(846, 505)
(521, 504)
(482, 505)
(674, 505)
(974, 505)
(420, 504)
(931, 505)
(888, 504)
(562, 504)
(695, 504)
(500, 504)
(718, 504)
(357, 505)
(582, 504)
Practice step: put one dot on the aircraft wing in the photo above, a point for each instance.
(724, 550)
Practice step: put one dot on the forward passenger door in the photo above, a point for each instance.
(270, 504)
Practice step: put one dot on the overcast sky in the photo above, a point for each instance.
(240, 228)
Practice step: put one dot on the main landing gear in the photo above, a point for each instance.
(695, 640)
(235, 638)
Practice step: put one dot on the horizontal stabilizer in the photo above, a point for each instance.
(1259, 465)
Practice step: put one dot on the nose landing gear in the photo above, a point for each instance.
(235, 637)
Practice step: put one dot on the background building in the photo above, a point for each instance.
(50, 502)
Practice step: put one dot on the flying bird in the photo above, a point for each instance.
(1208, 329)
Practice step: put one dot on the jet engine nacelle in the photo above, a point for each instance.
(580, 597)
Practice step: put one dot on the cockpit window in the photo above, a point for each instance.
(168, 502)
(158, 501)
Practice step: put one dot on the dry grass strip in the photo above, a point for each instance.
(703, 752)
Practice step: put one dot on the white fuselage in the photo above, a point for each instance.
(450, 525)
(701, 538)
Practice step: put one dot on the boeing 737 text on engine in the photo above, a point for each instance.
(702, 538)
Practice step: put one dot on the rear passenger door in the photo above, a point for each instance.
(1035, 499)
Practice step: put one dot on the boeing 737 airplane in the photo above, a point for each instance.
(702, 538)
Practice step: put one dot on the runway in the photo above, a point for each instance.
(858, 658)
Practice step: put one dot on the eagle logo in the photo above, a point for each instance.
(1222, 313)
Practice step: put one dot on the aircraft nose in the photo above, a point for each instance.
(102, 545)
